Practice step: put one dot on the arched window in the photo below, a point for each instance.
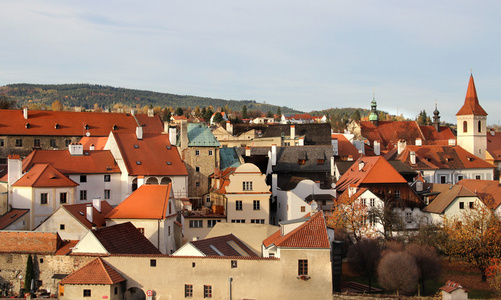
(465, 126)
(479, 126)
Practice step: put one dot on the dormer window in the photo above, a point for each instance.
(114, 127)
(320, 161)
(301, 161)
(86, 126)
(136, 146)
(27, 125)
(56, 126)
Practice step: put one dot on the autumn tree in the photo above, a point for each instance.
(428, 262)
(57, 106)
(423, 118)
(493, 273)
(397, 271)
(475, 238)
(351, 217)
(363, 258)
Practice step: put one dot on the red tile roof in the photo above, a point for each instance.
(66, 246)
(223, 245)
(95, 272)
(147, 202)
(451, 286)
(345, 148)
(124, 238)
(489, 191)
(471, 105)
(12, 216)
(434, 137)
(29, 242)
(79, 211)
(97, 141)
(375, 169)
(44, 175)
(43, 123)
(494, 144)
(311, 234)
(345, 196)
(150, 124)
(151, 155)
(446, 197)
(92, 162)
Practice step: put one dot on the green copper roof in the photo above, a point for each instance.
(229, 158)
(199, 135)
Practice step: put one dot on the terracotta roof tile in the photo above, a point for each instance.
(446, 197)
(471, 105)
(95, 272)
(12, 216)
(147, 202)
(494, 144)
(489, 191)
(66, 246)
(29, 242)
(451, 286)
(211, 246)
(79, 211)
(124, 239)
(345, 148)
(44, 175)
(97, 141)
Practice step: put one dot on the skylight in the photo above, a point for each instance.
(138, 162)
(216, 250)
(136, 146)
(169, 163)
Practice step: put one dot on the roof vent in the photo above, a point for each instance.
(138, 162)
(136, 146)
(169, 163)
(81, 213)
(108, 168)
(86, 126)
(56, 126)
(114, 127)
(27, 125)
(168, 147)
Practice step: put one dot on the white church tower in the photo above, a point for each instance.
(472, 124)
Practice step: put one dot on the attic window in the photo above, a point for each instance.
(56, 126)
(108, 168)
(136, 146)
(114, 127)
(320, 161)
(469, 158)
(428, 159)
(86, 126)
(169, 163)
(81, 213)
(138, 162)
(448, 159)
(301, 161)
(86, 153)
(27, 125)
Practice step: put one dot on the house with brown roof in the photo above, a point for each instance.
(73, 221)
(15, 219)
(489, 191)
(95, 280)
(152, 210)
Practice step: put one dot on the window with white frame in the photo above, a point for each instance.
(238, 221)
(107, 178)
(302, 267)
(63, 198)
(196, 223)
(247, 185)
(212, 223)
(44, 198)
(83, 195)
(197, 152)
(211, 152)
(256, 205)
(408, 217)
(107, 194)
(257, 221)
(238, 205)
(372, 202)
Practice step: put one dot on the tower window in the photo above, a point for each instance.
(479, 126)
(465, 126)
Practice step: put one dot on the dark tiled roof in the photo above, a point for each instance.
(12, 216)
(95, 272)
(314, 133)
(124, 239)
(221, 246)
(316, 159)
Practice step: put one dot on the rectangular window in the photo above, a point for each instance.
(197, 184)
(86, 293)
(197, 152)
(408, 217)
(233, 264)
(107, 194)
(472, 206)
(107, 178)
(19, 143)
(212, 223)
(257, 221)
(256, 205)
(238, 221)
(36, 143)
(372, 201)
(460, 177)
(397, 194)
(247, 185)
(303, 208)
(83, 195)
(188, 290)
(67, 143)
(363, 201)
(302, 267)
(61, 226)
(44, 198)
(83, 178)
(153, 262)
(461, 205)
(211, 152)
(207, 291)
(141, 230)
(478, 177)
(2, 143)
(443, 179)
(197, 169)
(116, 290)
(238, 205)
(196, 224)
(53, 143)
(63, 198)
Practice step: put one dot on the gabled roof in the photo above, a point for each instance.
(97, 141)
(446, 197)
(471, 105)
(345, 197)
(12, 216)
(314, 133)
(95, 272)
(434, 137)
(43, 123)
(44, 175)
(489, 191)
(229, 158)
(311, 234)
(369, 170)
(29, 242)
(226, 245)
(430, 157)
(451, 286)
(124, 238)
(303, 159)
(79, 212)
(345, 148)
(494, 144)
(199, 135)
(92, 162)
(153, 155)
(147, 202)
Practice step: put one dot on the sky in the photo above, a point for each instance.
(307, 55)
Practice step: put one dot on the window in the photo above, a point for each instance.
(302, 267)
(61, 227)
(86, 293)
(44, 198)
(168, 231)
(303, 208)
(372, 202)
(472, 205)
(107, 178)
(197, 169)
(197, 184)
(116, 290)
(478, 177)
(320, 161)
(465, 126)
(207, 291)
(257, 205)
(107, 194)
(67, 142)
(211, 152)
(2, 143)
(41, 260)
(153, 262)
(238, 205)
(408, 217)
(363, 201)
(212, 223)
(238, 221)
(247, 186)
(83, 178)
(301, 161)
(257, 221)
(83, 195)
(443, 179)
(188, 290)
(197, 152)
(19, 143)
(397, 194)
(36, 143)
(460, 177)
(63, 198)
(461, 205)
(479, 126)
(196, 224)
(141, 230)
(233, 264)
(53, 143)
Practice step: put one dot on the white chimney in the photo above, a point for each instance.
(132, 112)
(90, 211)
(293, 132)
(273, 155)
(172, 136)
(75, 149)
(151, 113)
(377, 148)
(301, 141)
(412, 158)
(335, 146)
(96, 202)
(14, 169)
(166, 127)
(452, 142)
(401, 146)
(25, 113)
(361, 165)
(350, 158)
(229, 127)
(419, 142)
(274, 183)
(248, 151)
(332, 167)
(92, 147)
(139, 132)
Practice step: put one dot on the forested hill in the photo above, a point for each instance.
(87, 95)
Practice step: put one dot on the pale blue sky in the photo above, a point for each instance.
(305, 55)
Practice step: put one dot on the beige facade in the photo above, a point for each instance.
(92, 291)
(198, 227)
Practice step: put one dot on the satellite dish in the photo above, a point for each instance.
(87, 133)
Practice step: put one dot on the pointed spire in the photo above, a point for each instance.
(471, 105)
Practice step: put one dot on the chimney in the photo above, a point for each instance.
(172, 136)
(452, 142)
(166, 127)
(377, 148)
(401, 146)
(361, 165)
(96, 202)
(229, 127)
(293, 132)
(335, 146)
(140, 181)
(301, 141)
(412, 158)
(184, 134)
(332, 167)
(92, 147)
(274, 183)
(132, 112)
(14, 169)
(139, 132)
(151, 114)
(248, 151)
(273, 155)
(90, 212)
(75, 149)
(25, 113)
(419, 142)
(350, 158)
